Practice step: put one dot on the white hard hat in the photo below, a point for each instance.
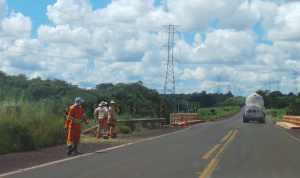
(78, 101)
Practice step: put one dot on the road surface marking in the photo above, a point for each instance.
(212, 165)
(208, 154)
(226, 137)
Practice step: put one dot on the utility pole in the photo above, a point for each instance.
(169, 87)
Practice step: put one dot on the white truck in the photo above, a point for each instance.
(254, 109)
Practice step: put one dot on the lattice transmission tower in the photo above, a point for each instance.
(169, 87)
(219, 80)
(295, 73)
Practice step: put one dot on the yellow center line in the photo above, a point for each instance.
(207, 155)
(226, 137)
(212, 165)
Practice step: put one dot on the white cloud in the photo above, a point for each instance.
(243, 17)
(266, 10)
(3, 8)
(286, 23)
(16, 26)
(221, 47)
(123, 42)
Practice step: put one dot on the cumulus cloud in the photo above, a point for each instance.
(221, 47)
(124, 42)
(286, 26)
(243, 17)
(16, 26)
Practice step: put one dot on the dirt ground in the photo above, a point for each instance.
(20, 160)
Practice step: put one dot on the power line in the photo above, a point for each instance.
(46, 21)
(77, 17)
(57, 54)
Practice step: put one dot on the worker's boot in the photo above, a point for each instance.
(70, 150)
(105, 135)
(75, 148)
(113, 135)
(99, 135)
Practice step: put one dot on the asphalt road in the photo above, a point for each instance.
(226, 148)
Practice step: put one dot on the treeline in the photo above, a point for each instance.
(42, 103)
(147, 101)
(277, 100)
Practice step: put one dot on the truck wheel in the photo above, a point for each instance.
(244, 120)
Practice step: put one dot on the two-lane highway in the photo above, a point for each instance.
(226, 148)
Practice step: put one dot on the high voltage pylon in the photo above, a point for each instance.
(219, 83)
(169, 87)
(295, 73)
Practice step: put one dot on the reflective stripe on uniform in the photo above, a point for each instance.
(70, 118)
(77, 121)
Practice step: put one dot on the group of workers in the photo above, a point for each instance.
(77, 115)
(104, 113)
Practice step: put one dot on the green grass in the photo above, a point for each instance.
(275, 114)
(36, 127)
(204, 113)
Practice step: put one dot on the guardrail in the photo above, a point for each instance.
(134, 121)
(179, 119)
(137, 121)
(292, 120)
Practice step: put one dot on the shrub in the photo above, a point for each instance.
(15, 136)
(124, 129)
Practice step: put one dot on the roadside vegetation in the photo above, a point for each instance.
(275, 115)
(277, 104)
(38, 119)
(205, 114)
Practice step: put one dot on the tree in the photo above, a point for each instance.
(105, 86)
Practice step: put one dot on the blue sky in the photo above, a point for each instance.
(249, 45)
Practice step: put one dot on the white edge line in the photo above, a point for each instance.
(87, 154)
(282, 129)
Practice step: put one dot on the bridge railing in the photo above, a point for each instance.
(179, 119)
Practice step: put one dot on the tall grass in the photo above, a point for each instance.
(37, 126)
(206, 115)
(275, 114)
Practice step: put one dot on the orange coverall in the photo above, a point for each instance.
(75, 118)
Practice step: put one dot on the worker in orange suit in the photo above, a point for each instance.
(112, 119)
(101, 113)
(73, 123)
